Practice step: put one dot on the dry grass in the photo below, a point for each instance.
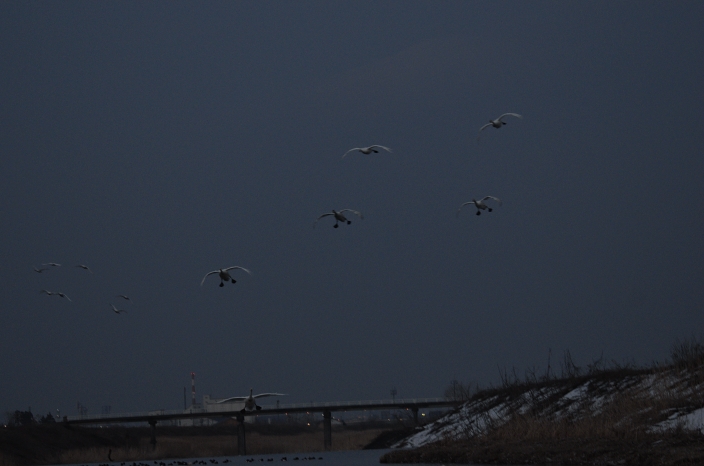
(7, 460)
(221, 445)
(626, 415)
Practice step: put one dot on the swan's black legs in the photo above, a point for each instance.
(234, 281)
(221, 284)
(335, 225)
(489, 209)
(479, 212)
(349, 221)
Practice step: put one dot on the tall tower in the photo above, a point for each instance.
(193, 388)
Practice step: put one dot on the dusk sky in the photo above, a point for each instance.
(157, 141)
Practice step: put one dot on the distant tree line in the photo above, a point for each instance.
(26, 418)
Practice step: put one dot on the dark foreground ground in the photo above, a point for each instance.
(59, 444)
(682, 449)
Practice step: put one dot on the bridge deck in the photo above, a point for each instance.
(224, 411)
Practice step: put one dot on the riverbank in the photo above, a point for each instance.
(598, 416)
(59, 444)
(670, 450)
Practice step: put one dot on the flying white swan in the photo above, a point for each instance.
(116, 310)
(53, 264)
(339, 217)
(498, 123)
(367, 150)
(224, 275)
(40, 270)
(126, 298)
(480, 204)
(249, 403)
(84, 267)
(60, 294)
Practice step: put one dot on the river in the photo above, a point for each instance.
(332, 458)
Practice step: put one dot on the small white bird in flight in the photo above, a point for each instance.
(224, 274)
(53, 264)
(498, 123)
(480, 204)
(367, 150)
(60, 294)
(40, 270)
(339, 217)
(116, 310)
(249, 403)
(126, 298)
(84, 267)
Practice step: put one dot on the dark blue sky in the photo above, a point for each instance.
(158, 141)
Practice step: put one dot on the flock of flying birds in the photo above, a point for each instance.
(480, 204)
(60, 294)
(338, 215)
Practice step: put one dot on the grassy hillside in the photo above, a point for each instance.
(597, 415)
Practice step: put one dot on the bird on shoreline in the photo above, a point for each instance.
(339, 217)
(480, 204)
(224, 274)
(367, 150)
(498, 123)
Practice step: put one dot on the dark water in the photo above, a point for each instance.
(333, 458)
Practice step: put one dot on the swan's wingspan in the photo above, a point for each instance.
(234, 398)
(358, 214)
(206, 276)
(458, 210)
(351, 150)
(262, 395)
(381, 147)
(485, 126)
(316, 220)
(237, 267)
(492, 197)
(510, 114)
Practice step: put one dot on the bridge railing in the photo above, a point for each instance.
(351, 404)
(215, 408)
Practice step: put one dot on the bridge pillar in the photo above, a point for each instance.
(327, 429)
(415, 414)
(152, 422)
(241, 446)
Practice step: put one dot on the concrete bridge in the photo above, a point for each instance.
(153, 417)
